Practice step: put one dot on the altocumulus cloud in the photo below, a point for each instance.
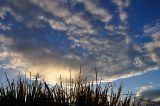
(54, 35)
(149, 92)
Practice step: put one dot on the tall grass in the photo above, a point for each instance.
(79, 92)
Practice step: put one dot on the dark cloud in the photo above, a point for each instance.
(152, 94)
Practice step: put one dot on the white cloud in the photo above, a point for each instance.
(56, 7)
(57, 25)
(5, 9)
(118, 2)
(9, 60)
(73, 23)
(122, 3)
(130, 73)
(151, 45)
(142, 89)
(2, 13)
(149, 92)
(4, 27)
(153, 30)
(123, 16)
(138, 62)
(93, 8)
(4, 40)
(156, 36)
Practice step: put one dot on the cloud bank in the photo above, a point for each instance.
(149, 93)
(54, 35)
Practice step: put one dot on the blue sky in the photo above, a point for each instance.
(121, 38)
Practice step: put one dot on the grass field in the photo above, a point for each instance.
(79, 92)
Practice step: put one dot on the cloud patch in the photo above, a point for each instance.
(149, 93)
(153, 30)
(52, 35)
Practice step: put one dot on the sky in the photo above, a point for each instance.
(120, 38)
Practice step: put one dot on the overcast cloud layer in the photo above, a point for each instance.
(54, 34)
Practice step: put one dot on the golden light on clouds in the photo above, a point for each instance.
(52, 73)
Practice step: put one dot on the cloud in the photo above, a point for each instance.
(153, 31)
(94, 9)
(54, 36)
(2, 12)
(122, 4)
(123, 16)
(152, 28)
(128, 74)
(65, 16)
(149, 93)
(9, 59)
(10, 62)
(4, 27)
(7, 8)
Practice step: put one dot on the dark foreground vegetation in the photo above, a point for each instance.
(74, 93)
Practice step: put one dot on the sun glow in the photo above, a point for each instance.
(52, 73)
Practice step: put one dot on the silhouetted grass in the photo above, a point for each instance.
(77, 93)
